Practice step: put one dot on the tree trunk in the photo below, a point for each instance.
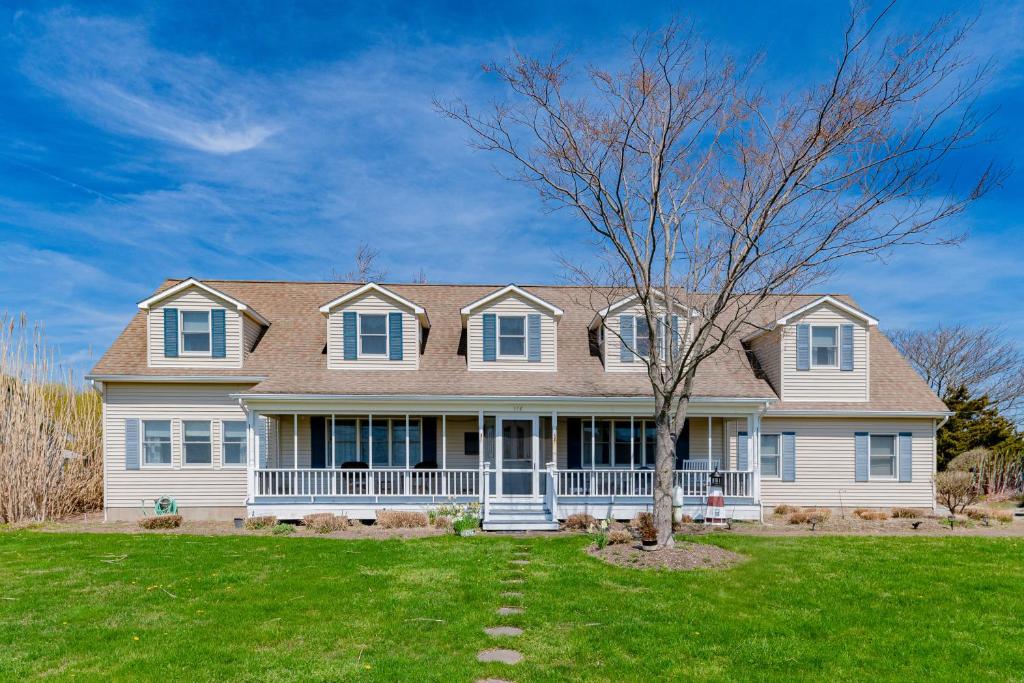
(663, 470)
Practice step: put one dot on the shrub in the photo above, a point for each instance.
(619, 537)
(956, 490)
(973, 460)
(601, 540)
(161, 522)
(256, 523)
(466, 523)
(401, 519)
(325, 522)
(1002, 516)
(579, 522)
(785, 509)
(871, 515)
(282, 529)
(811, 516)
(906, 513)
(644, 525)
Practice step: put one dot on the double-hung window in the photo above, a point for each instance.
(233, 442)
(883, 456)
(373, 334)
(195, 332)
(156, 442)
(511, 336)
(824, 346)
(642, 336)
(770, 456)
(197, 442)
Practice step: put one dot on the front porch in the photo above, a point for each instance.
(525, 470)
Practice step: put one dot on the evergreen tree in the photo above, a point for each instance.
(975, 423)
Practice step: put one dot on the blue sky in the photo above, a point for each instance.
(140, 141)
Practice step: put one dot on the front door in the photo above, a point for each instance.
(516, 455)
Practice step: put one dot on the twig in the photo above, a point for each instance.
(440, 621)
(168, 592)
(114, 560)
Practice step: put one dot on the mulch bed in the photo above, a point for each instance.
(684, 556)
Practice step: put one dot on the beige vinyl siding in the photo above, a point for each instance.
(825, 462)
(192, 486)
(371, 302)
(284, 448)
(456, 427)
(825, 384)
(612, 343)
(510, 304)
(699, 438)
(250, 333)
(194, 299)
(767, 349)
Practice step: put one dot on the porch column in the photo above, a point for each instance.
(408, 477)
(632, 439)
(369, 449)
(593, 442)
(709, 443)
(754, 454)
(554, 437)
(484, 485)
(444, 454)
(250, 455)
(333, 463)
(295, 441)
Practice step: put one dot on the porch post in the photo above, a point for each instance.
(754, 455)
(709, 443)
(554, 437)
(250, 450)
(295, 441)
(408, 477)
(369, 450)
(444, 454)
(484, 485)
(593, 442)
(632, 439)
(334, 477)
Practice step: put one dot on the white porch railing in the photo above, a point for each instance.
(618, 482)
(329, 482)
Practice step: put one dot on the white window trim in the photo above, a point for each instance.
(665, 325)
(142, 444)
(181, 332)
(895, 457)
(223, 442)
(778, 455)
(387, 337)
(184, 459)
(810, 343)
(498, 335)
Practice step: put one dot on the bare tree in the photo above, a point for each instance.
(366, 268)
(707, 197)
(981, 359)
(421, 277)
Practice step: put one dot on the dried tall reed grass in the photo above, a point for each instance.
(51, 462)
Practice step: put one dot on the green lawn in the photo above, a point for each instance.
(266, 608)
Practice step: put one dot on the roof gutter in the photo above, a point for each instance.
(472, 398)
(180, 379)
(858, 413)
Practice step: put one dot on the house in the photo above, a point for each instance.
(247, 398)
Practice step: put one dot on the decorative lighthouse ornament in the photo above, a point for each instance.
(714, 509)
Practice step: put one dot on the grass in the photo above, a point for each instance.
(116, 607)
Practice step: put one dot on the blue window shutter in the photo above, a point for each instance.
(846, 347)
(490, 336)
(788, 456)
(171, 332)
(906, 456)
(803, 347)
(350, 340)
(533, 337)
(860, 456)
(742, 460)
(261, 440)
(218, 333)
(627, 342)
(131, 443)
(395, 335)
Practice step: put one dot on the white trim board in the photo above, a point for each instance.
(146, 304)
(511, 289)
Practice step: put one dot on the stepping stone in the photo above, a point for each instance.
(496, 631)
(502, 656)
(513, 581)
(520, 562)
(493, 680)
(511, 594)
(504, 611)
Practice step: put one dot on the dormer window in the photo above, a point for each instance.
(824, 346)
(373, 334)
(643, 337)
(512, 336)
(195, 332)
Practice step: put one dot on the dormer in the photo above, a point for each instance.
(194, 325)
(373, 328)
(622, 335)
(511, 329)
(819, 352)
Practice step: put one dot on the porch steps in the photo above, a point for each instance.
(519, 516)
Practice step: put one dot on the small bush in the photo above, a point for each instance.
(401, 519)
(325, 522)
(161, 522)
(256, 523)
(619, 537)
(601, 540)
(785, 509)
(579, 522)
(811, 516)
(871, 515)
(906, 513)
(644, 525)
(956, 490)
(1002, 516)
(442, 522)
(282, 529)
(466, 523)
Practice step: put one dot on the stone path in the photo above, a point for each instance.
(503, 655)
